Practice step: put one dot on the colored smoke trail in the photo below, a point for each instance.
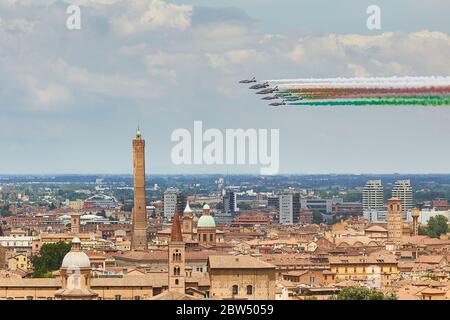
(376, 91)
(375, 102)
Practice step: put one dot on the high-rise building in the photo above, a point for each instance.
(322, 205)
(402, 190)
(289, 208)
(139, 215)
(394, 220)
(273, 201)
(174, 200)
(373, 195)
(230, 203)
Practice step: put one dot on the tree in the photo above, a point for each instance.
(317, 217)
(4, 212)
(49, 259)
(363, 293)
(244, 206)
(127, 207)
(102, 213)
(436, 226)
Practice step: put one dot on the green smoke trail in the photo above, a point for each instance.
(381, 102)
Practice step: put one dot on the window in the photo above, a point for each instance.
(177, 281)
(118, 297)
(137, 298)
(249, 290)
(235, 290)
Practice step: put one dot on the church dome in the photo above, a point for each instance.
(76, 258)
(206, 222)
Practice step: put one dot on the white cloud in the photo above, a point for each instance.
(147, 15)
(16, 25)
(110, 85)
(221, 60)
(46, 97)
(422, 52)
(26, 3)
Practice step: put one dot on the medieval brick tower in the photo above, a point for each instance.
(394, 220)
(139, 215)
(176, 257)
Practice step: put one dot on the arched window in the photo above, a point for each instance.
(176, 271)
(177, 282)
(235, 290)
(249, 290)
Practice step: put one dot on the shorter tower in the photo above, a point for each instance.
(415, 216)
(176, 257)
(188, 221)
(394, 220)
(75, 223)
(206, 227)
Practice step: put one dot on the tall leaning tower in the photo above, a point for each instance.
(139, 215)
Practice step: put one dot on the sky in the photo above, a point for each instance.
(71, 100)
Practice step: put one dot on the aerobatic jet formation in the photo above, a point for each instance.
(369, 91)
(277, 96)
(267, 91)
(277, 104)
(248, 81)
(260, 86)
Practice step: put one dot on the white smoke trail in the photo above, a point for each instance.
(400, 82)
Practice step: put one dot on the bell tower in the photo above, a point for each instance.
(176, 266)
(187, 222)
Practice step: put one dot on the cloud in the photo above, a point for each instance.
(423, 52)
(222, 60)
(51, 95)
(26, 3)
(109, 85)
(16, 25)
(210, 15)
(148, 15)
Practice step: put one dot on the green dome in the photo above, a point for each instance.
(206, 222)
